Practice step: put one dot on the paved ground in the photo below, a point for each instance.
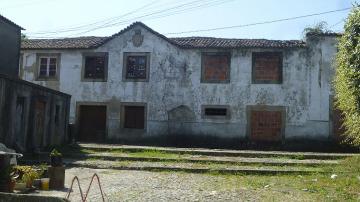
(176, 186)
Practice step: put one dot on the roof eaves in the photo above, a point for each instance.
(11, 22)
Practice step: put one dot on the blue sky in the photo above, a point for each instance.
(41, 18)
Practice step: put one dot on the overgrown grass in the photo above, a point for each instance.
(320, 186)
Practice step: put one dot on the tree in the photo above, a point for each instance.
(23, 36)
(347, 78)
(318, 28)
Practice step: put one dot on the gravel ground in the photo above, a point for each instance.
(119, 185)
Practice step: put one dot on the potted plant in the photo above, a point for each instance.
(55, 158)
(27, 175)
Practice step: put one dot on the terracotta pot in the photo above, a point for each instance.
(28, 184)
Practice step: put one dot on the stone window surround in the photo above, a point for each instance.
(226, 53)
(227, 116)
(122, 115)
(250, 108)
(124, 69)
(253, 80)
(58, 63)
(84, 55)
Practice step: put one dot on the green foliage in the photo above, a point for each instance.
(23, 36)
(318, 28)
(55, 152)
(347, 79)
(27, 173)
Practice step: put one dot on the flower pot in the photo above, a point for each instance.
(56, 161)
(20, 186)
(28, 184)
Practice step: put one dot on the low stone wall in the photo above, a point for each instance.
(9, 197)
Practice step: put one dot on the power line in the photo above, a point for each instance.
(155, 17)
(258, 23)
(75, 28)
(180, 8)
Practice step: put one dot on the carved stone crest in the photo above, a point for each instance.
(137, 38)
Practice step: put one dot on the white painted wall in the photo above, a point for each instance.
(175, 80)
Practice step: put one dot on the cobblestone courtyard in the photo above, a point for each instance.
(120, 185)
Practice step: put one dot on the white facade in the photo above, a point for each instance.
(175, 81)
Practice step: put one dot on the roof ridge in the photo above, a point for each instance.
(88, 42)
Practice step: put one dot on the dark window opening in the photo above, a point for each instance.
(136, 67)
(95, 67)
(215, 111)
(134, 117)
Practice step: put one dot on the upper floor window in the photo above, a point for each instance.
(215, 67)
(48, 66)
(136, 66)
(95, 66)
(267, 67)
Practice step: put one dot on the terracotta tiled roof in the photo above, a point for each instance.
(210, 42)
(65, 43)
(184, 42)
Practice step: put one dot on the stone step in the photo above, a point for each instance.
(218, 152)
(189, 167)
(206, 159)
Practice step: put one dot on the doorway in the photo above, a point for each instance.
(92, 123)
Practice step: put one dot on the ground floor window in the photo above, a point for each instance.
(134, 117)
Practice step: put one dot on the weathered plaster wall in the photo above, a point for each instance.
(9, 49)
(18, 131)
(175, 81)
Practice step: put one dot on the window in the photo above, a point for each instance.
(215, 111)
(215, 67)
(133, 116)
(95, 66)
(136, 66)
(48, 66)
(267, 67)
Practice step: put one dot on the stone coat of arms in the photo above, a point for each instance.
(137, 38)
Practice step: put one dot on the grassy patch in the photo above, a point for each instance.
(344, 187)
(154, 153)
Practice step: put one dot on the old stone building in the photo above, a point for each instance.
(31, 116)
(138, 84)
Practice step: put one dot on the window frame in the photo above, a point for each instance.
(122, 115)
(214, 53)
(254, 56)
(204, 116)
(95, 54)
(48, 56)
(124, 70)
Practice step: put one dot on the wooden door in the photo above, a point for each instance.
(92, 123)
(40, 107)
(266, 126)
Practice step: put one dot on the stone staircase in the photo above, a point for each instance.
(198, 160)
